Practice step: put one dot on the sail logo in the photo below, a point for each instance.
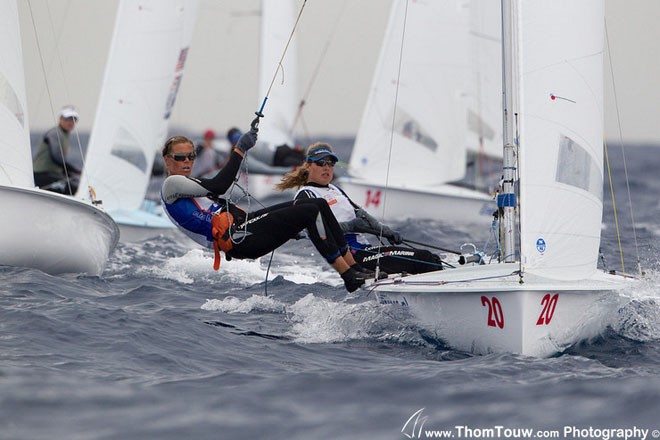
(414, 425)
(540, 245)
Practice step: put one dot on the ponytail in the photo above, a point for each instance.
(294, 179)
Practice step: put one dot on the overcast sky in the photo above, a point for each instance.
(219, 87)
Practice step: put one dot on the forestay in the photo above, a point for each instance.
(560, 115)
(15, 157)
(417, 99)
(143, 73)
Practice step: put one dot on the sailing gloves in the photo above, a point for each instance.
(247, 140)
(364, 222)
(394, 237)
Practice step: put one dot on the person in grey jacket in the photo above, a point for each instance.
(52, 169)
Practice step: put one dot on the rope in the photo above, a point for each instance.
(48, 91)
(625, 166)
(391, 143)
(451, 251)
(267, 271)
(279, 64)
(616, 217)
(254, 125)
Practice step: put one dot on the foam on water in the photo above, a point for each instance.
(196, 265)
(255, 303)
(322, 320)
(639, 312)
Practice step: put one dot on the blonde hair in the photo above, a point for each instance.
(299, 176)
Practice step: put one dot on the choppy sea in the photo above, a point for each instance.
(162, 347)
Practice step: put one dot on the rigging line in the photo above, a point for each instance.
(255, 123)
(279, 64)
(270, 261)
(50, 97)
(75, 133)
(616, 217)
(391, 143)
(625, 166)
(451, 251)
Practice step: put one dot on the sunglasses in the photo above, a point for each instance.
(180, 157)
(322, 163)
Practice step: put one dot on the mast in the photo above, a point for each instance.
(506, 200)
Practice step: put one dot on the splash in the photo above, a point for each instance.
(196, 265)
(321, 320)
(255, 303)
(639, 311)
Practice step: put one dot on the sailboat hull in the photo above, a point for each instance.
(451, 203)
(54, 233)
(486, 309)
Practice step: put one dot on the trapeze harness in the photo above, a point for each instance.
(342, 207)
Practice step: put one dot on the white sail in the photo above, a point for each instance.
(143, 72)
(559, 75)
(417, 98)
(15, 159)
(484, 108)
(276, 128)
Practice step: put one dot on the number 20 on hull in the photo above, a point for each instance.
(495, 312)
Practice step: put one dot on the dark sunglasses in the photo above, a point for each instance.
(322, 163)
(180, 157)
(71, 118)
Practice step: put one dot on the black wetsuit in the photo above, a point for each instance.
(392, 259)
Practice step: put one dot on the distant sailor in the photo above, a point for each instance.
(197, 208)
(52, 169)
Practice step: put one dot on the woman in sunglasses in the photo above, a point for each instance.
(197, 207)
(313, 181)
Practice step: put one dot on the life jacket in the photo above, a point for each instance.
(221, 230)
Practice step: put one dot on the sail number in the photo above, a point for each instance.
(373, 198)
(495, 313)
(549, 303)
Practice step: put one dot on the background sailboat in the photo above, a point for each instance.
(145, 67)
(413, 137)
(546, 292)
(40, 229)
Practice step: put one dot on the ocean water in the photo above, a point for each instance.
(162, 347)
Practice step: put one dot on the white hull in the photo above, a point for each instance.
(485, 309)
(142, 224)
(54, 233)
(450, 203)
